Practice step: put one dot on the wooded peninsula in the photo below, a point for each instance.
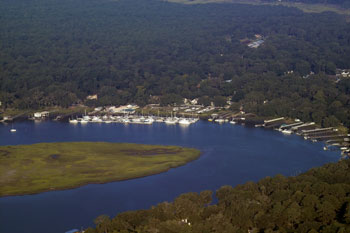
(316, 201)
(30, 169)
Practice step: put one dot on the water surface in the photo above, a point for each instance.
(231, 155)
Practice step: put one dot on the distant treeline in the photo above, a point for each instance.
(316, 201)
(341, 3)
(145, 51)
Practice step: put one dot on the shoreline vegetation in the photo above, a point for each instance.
(36, 168)
(315, 201)
(305, 7)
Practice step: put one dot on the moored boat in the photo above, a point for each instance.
(159, 119)
(219, 120)
(286, 131)
(170, 121)
(73, 121)
(184, 121)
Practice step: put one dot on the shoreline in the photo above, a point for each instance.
(247, 119)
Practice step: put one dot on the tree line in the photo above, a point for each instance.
(55, 53)
(340, 3)
(316, 201)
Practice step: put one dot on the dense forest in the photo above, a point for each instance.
(144, 51)
(316, 201)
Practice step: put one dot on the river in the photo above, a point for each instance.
(231, 155)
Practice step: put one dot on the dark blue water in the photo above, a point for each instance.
(232, 155)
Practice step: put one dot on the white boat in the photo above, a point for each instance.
(149, 119)
(286, 131)
(184, 121)
(142, 119)
(135, 120)
(96, 119)
(99, 120)
(82, 120)
(170, 121)
(126, 120)
(232, 122)
(147, 122)
(159, 119)
(13, 130)
(219, 120)
(86, 118)
(194, 120)
(73, 121)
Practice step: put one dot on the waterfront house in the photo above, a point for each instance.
(41, 114)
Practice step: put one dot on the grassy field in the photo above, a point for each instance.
(29, 169)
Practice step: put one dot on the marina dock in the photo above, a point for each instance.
(283, 127)
(133, 119)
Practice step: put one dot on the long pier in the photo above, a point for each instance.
(332, 140)
(310, 131)
(296, 128)
(273, 120)
(328, 136)
(277, 122)
(316, 130)
(291, 125)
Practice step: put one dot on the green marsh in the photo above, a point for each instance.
(29, 169)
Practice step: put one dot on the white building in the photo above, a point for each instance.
(41, 114)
